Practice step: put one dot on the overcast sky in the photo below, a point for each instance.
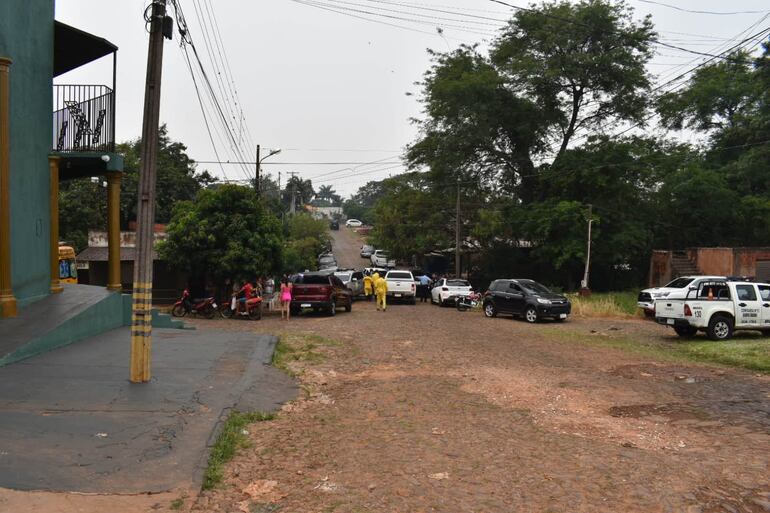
(329, 88)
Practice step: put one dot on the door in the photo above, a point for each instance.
(748, 306)
(763, 270)
(764, 295)
(516, 298)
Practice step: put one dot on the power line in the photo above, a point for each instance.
(723, 13)
(251, 162)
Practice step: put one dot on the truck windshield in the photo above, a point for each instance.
(679, 283)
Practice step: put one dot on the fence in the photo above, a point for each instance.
(83, 118)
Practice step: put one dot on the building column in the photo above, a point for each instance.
(113, 231)
(53, 164)
(7, 299)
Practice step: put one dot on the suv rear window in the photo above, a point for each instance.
(457, 283)
(311, 279)
(396, 275)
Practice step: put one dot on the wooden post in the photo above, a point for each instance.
(113, 231)
(7, 299)
(53, 164)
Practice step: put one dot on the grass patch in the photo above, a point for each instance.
(228, 442)
(605, 304)
(177, 504)
(745, 350)
(299, 347)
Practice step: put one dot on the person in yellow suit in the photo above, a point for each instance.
(381, 291)
(368, 286)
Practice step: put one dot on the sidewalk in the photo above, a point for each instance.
(71, 421)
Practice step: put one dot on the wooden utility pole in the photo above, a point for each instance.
(141, 315)
(256, 182)
(457, 232)
(585, 290)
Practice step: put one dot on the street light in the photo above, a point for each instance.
(274, 151)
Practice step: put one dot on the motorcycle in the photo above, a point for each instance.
(472, 300)
(205, 307)
(251, 309)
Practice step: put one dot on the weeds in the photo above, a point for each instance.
(228, 442)
(609, 304)
(298, 347)
(177, 504)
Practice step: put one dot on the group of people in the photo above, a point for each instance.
(262, 287)
(375, 285)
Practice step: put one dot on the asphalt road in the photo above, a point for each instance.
(346, 246)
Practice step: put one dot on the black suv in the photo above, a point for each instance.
(334, 224)
(526, 298)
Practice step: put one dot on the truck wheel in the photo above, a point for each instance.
(490, 310)
(332, 308)
(531, 315)
(720, 328)
(685, 331)
(349, 306)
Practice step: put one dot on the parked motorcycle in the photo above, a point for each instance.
(205, 307)
(252, 309)
(472, 300)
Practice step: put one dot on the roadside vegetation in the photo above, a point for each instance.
(606, 304)
(294, 348)
(747, 350)
(234, 436)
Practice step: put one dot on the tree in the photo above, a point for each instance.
(301, 190)
(82, 207)
(225, 234)
(325, 192)
(177, 179)
(307, 237)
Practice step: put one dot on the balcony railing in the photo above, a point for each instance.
(83, 118)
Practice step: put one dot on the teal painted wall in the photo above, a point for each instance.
(26, 36)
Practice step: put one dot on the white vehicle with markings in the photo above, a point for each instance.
(401, 285)
(718, 307)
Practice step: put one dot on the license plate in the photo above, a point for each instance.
(305, 305)
(397, 295)
(670, 321)
(214, 305)
(562, 316)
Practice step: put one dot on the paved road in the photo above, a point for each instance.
(346, 246)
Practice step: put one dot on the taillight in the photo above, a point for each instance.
(412, 286)
(687, 311)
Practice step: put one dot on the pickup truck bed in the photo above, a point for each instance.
(401, 285)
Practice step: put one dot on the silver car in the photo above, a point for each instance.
(353, 280)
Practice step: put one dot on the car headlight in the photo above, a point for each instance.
(543, 301)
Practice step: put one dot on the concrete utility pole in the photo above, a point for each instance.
(293, 208)
(457, 232)
(256, 182)
(141, 318)
(584, 288)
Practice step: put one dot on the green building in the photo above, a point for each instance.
(50, 133)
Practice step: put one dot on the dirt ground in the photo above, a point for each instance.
(427, 409)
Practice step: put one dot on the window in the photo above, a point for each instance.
(399, 275)
(746, 293)
(358, 275)
(311, 279)
(679, 283)
(535, 287)
(514, 288)
(764, 291)
(343, 276)
(457, 283)
(336, 282)
(713, 289)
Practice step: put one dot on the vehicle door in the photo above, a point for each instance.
(516, 298)
(340, 291)
(436, 290)
(764, 294)
(748, 306)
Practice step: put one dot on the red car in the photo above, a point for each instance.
(319, 291)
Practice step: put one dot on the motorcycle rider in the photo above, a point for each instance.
(244, 294)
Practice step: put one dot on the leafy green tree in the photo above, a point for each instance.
(307, 237)
(301, 190)
(224, 234)
(177, 179)
(82, 207)
(325, 192)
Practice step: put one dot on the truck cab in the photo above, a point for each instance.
(718, 307)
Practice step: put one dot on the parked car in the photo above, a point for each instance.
(380, 259)
(319, 291)
(334, 224)
(401, 285)
(647, 297)
(525, 298)
(447, 290)
(366, 251)
(354, 280)
(718, 307)
(353, 223)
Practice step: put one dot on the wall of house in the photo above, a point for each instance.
(660, 268)
(746, 260)
(26, 37)
(715, 261)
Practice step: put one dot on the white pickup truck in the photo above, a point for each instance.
(401, 285)
(717, 307)
(380, 259)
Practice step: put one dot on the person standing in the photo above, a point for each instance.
(424, 288)
(381, 291)
(286, 287)
(368, 286)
